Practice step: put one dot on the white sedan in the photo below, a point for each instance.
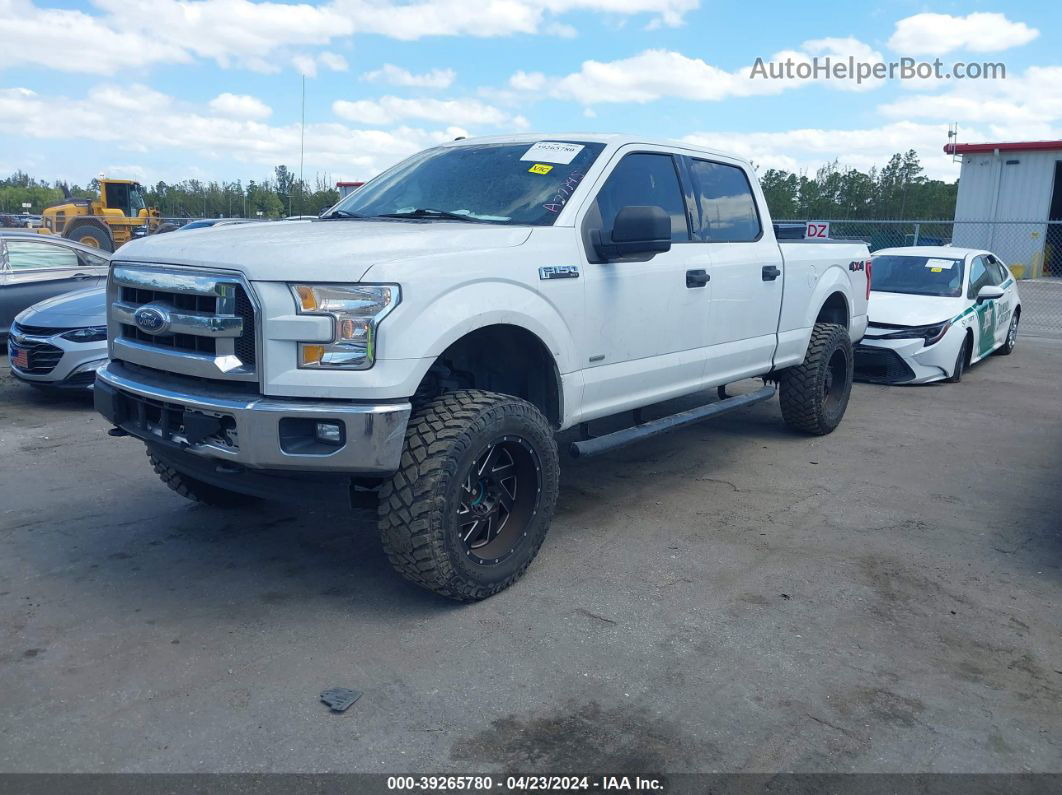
(934, 311)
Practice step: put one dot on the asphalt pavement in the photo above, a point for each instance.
(731, 597)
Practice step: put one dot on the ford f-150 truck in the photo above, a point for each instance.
(425, 340)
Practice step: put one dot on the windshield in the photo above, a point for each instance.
(136, 199)
(903, 273)
(521, 184)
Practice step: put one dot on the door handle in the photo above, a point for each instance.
(770, 273)
(697, 278)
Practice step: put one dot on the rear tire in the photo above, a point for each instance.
(961, 361)
(1007, 348)
(814, 394)
(196, 490)
(470, 506)
(90, 235)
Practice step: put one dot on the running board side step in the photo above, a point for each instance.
(586, 448)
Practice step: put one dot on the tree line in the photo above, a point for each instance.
(285, 194)
(900, 189)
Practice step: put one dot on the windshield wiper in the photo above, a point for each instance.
(342, 214)
(428, 212)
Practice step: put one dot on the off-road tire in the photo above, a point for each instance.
(196, 490)
(417, 512)
(1007, 348)
(103, 240)
(807, 404)
(962, 361)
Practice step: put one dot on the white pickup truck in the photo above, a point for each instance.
(424, 341)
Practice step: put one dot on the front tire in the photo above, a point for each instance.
(90, 235)
(814, 394)
(470, 506)
(1007, 348)
(196, 490)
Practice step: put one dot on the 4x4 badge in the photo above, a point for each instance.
(559, 272)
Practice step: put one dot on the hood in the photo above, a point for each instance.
(899, 309)
(70, 310)
(340, 250)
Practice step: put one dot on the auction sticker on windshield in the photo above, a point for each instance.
(552, 152)
(937, 265)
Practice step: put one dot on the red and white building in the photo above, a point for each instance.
(1017, 186)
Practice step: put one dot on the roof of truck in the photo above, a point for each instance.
(611, 139)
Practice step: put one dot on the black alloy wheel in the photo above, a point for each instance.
(499, 496)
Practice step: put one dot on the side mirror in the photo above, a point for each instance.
(989, 293)
(636, 230)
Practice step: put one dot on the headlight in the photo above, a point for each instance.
(356, 312)
(90, 334)
(931, 334)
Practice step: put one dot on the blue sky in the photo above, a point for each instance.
(211, 89)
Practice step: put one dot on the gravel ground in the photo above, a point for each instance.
(731, 597)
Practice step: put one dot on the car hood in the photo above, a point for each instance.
(899, 309)
(340, 250)
(70, 310)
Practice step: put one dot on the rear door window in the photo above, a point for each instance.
(726, 207)
(29, 255)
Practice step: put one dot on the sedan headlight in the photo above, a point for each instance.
(90, 334)
(931, 334)
(356, 312)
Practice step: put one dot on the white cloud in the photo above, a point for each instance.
(333, 61)
(656, 74)
(260, 35)
(390, 110)
(240, 106)
(808, 149)
(527, 81)
(1032, 98)
(305, 65)
(347, 152)
(73, 41)
(397, 76)
(936, 34)
(490, 18)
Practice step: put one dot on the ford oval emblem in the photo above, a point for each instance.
(152, 319)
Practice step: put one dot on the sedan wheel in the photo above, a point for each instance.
(1012, 337)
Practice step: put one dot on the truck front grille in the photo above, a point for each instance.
(183, 321)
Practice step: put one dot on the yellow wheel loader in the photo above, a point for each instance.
(116, 217)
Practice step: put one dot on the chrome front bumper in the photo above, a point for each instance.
(247, 429)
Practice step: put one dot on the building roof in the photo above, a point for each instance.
(1009, 146)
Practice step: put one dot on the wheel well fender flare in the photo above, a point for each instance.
(832, 298)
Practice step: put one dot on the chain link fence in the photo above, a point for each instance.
(1031, 249)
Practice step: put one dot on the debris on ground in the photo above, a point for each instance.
(339, 699)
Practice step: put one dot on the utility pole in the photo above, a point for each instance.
(302, 142)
